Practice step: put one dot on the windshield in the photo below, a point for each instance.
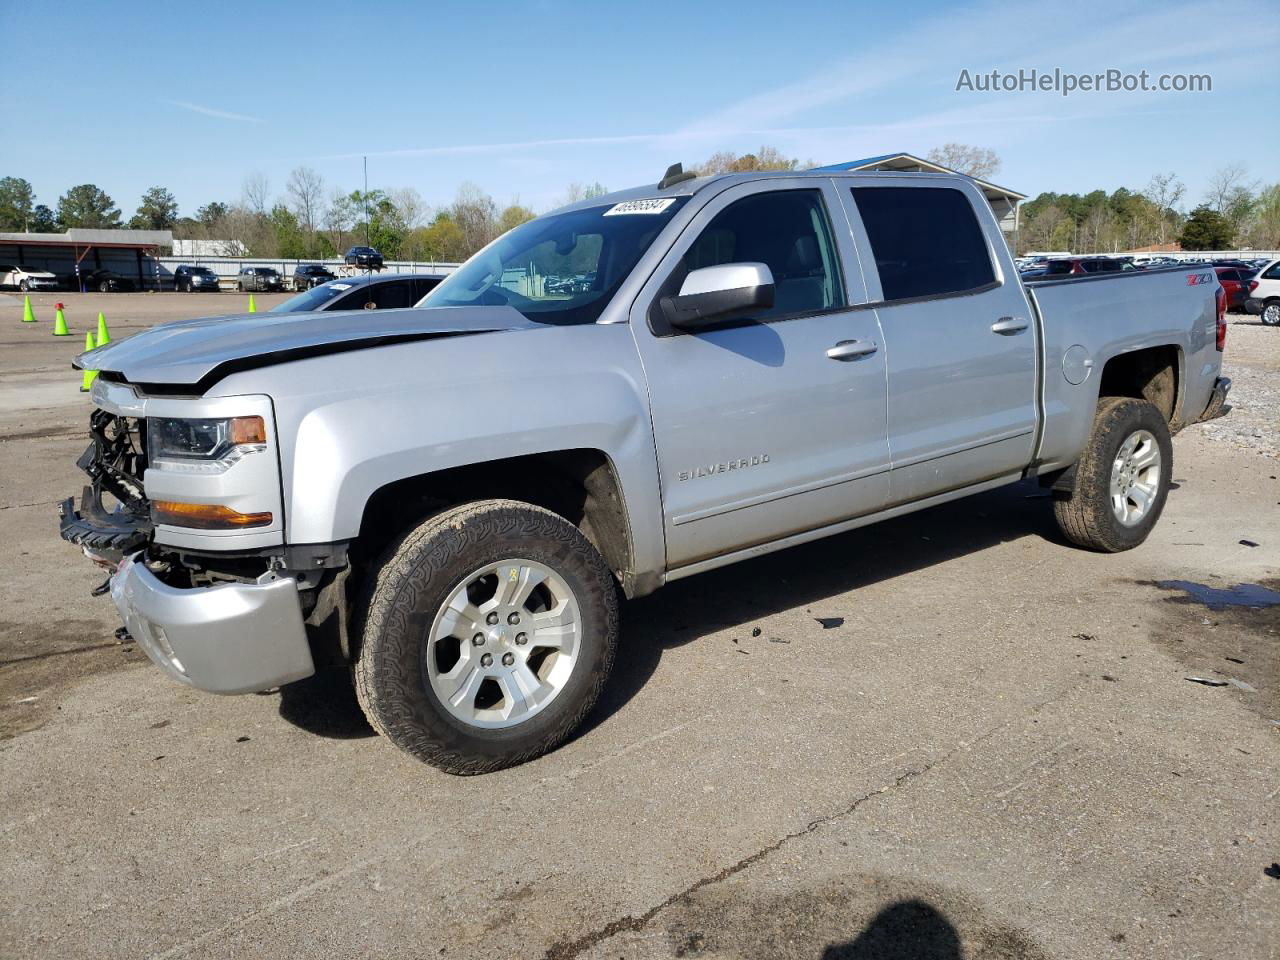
(561, 269)
(313, 299)
(205, 270)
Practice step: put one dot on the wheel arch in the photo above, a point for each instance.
(582, 485)
(1155, 374)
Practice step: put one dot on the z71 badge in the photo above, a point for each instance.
(740, 464)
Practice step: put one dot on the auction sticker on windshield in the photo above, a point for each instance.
(640, 206)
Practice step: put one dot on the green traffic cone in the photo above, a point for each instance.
(104, 337)
(252, 306)
(87, 380)
(59, 322)
(27, 315)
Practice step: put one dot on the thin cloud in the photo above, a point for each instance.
(213, 112)
(460, 148)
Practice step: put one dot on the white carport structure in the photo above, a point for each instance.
(1003, 200)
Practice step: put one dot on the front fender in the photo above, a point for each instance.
(352, 423)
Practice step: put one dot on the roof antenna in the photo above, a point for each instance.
(675, 174)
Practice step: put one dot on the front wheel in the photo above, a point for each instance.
(104, 286)
(1271, 313)
(24, 286)
(1121, 480)
(487, 636)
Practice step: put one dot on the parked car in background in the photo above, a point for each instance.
(1238, 282)
(308, 275)
(102, 280)
(382, 292)
(1074, 266)
(190, 278)
(1264, 298)
(366, 257)
(259, 279)
(27, 278)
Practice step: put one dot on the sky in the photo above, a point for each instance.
(524, 98)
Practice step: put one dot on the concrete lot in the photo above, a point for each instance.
(988, 749)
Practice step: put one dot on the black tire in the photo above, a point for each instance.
(24, 286)
(104, 286)
(415, 578)
(1085, 514)
(1270, 314)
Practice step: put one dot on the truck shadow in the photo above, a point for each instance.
(739, 595)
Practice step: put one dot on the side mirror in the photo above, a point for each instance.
(715, 294)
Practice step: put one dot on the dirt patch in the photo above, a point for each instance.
(857, 917)
(1229, 632)
(39, 664)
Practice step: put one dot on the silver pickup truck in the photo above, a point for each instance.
(452, 499)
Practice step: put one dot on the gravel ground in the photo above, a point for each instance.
(1252, 362)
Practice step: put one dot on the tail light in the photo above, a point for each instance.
(1253, 285)
(1221, 300)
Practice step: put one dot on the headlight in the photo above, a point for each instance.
(170, 438)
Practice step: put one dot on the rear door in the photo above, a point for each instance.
(958, 331)
(774, 425)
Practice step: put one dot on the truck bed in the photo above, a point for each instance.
(1086, 321)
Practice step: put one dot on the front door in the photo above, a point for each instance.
(961, 341)
(774, 425)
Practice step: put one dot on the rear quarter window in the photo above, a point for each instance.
(926, 241)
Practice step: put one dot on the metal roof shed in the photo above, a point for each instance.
(65, 252)
(1003, 200)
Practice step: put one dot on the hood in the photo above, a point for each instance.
(43, 274)
(197, 352)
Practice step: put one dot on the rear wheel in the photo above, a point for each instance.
(1121, 480)
(1271, 313)
(24, 286)
(487, 636)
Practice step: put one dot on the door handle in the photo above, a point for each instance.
(1009, 325)
(852, 349)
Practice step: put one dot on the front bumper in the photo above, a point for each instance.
(228, 638)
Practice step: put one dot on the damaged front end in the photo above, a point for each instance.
(185, 513)
(109, 529)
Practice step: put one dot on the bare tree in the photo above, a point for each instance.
(306, 194)
(411, 209)
(579, 191)
(977, 162)
(255, 190)
(1225, 185)
(339, 217)
(1165, 191)
(476, 215)
(766, 158)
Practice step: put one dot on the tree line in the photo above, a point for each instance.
(311, 220)
(1234, 212)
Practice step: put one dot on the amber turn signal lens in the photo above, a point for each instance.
(206, 516)
(248, 430)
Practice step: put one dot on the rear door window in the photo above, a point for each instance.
(392, 294)
(926, 241)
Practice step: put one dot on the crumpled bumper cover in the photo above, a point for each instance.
(228, 638)
(101, 532)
